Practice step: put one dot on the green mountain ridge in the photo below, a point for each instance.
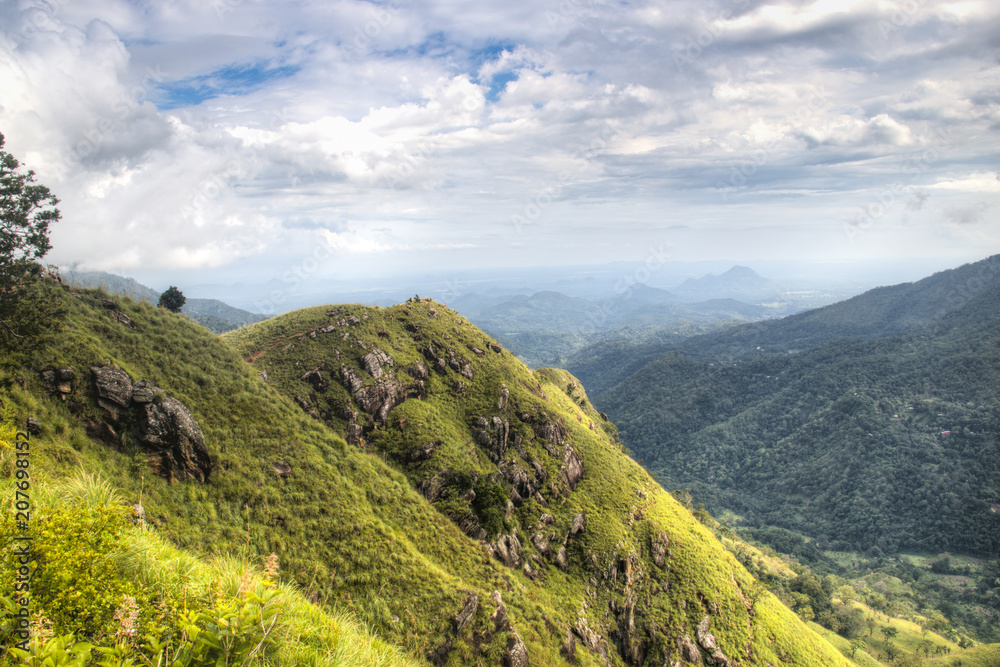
(213, 314)
(575, 554)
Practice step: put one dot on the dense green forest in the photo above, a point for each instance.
(870, 426)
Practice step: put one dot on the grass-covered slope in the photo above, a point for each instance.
(93, 560)
(610, 570)
(495, 445)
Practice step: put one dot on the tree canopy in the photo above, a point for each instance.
(173, 300)
(26, 211)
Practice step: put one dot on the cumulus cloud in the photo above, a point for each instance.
(195, 134)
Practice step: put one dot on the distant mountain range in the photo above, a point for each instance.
(216, 316)
(740, 282)
(548, 327)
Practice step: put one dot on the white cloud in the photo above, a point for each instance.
(177, 134)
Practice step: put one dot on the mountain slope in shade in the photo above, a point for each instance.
(887, 443)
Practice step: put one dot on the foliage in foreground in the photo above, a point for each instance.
(109, 591)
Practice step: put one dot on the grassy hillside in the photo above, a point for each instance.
(610, 568)
(176, 596)
(216, 316)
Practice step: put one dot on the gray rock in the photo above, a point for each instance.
(143, 392)
(578, 524)
(572, 470)
(34, 426)
(468, 612)
(507, 549)
(708, 642)
(561, 559)
(114, 388)
(689, 651)
(178, 448)
(658, 545)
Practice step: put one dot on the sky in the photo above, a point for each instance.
(236, 138)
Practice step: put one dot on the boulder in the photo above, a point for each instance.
(578, 524)
(168, 430)
(424, 452)
(689, 651)
(507, 549)
(315, 378)
(143, 392)
(114, 388)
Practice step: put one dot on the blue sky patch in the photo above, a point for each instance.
(231, 80)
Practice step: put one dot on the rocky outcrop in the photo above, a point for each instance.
(163, 425)
(315, 378)
(658, 545)
(376, 399)
(424, 452)
(516, 654)
(468, 612)
(707, 641)
(114, 389)
(632, 645)
(578, 524)
(492, 436)
(507, 549)
(572, 469)
(374, 361)
(690, 655)
(175, 440)
(469, 524)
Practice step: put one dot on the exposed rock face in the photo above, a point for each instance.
(708, 642)
(658, 545)
(561, 559)
(689, 651)
(143, 392)
(631, 645)
(578, 524)
(516, 654)
(553, 434)
(374, 361)
(541, 543)
(34, 426)
(590, 639)
(493, 435)
(377, 399)
(351, 380)
(469, 524)
(114, 389)
(464, 617)
(507, 549)
(282, 469)
(315, 378)
(423, 453)
(175, 439)
(572, 470)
